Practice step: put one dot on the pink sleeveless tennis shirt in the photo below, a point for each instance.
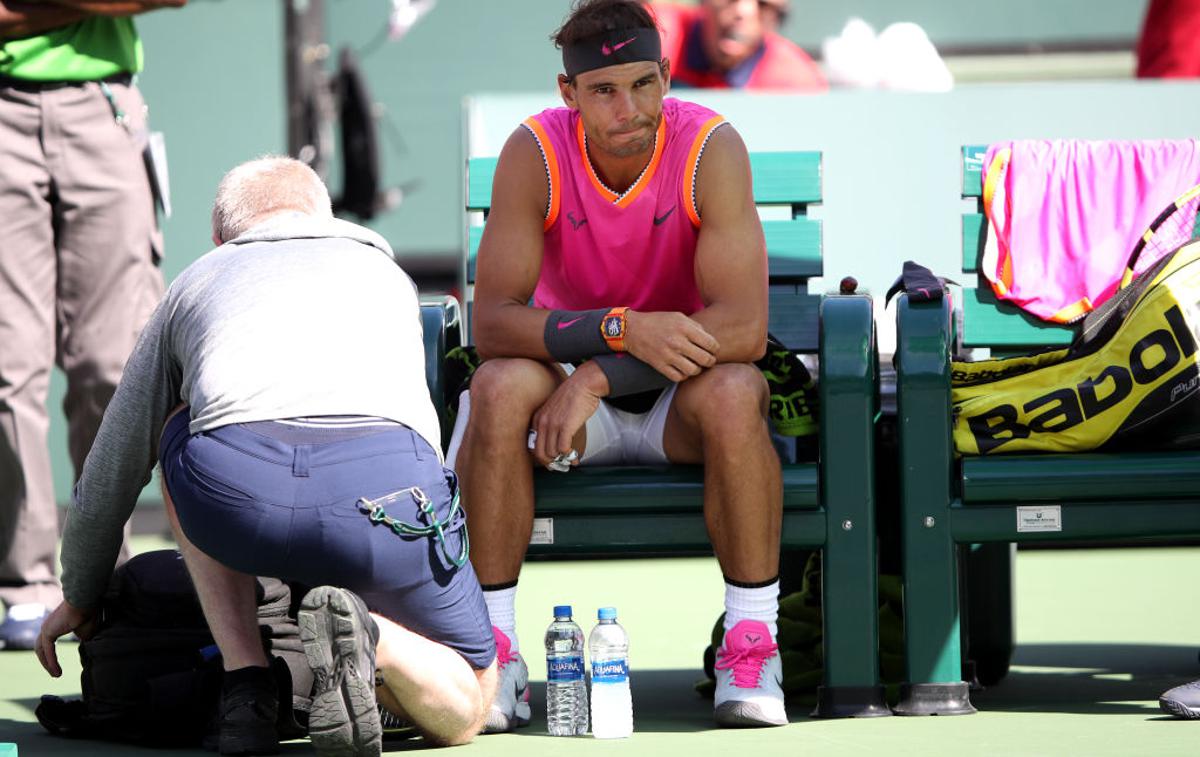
(636, 249)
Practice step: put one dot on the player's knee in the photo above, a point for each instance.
(732, 388)
(507, 386)
(727, 403)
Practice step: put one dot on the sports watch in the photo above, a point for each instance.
(612, 328)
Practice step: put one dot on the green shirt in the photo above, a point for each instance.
(87, 50)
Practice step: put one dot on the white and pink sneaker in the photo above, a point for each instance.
(510, 708)
(749, 678)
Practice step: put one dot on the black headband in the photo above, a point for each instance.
(612, 48)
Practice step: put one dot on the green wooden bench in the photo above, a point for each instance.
(657, 510)
(962, 518)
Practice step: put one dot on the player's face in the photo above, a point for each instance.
(620, 106)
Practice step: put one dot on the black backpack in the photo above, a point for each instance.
(152, 674)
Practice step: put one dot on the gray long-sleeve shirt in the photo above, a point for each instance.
(298, 317)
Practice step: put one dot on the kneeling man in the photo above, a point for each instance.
(281, 385)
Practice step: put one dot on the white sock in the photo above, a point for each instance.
(761, 604)
(502, 607)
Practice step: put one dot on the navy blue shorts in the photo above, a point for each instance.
(283, 501)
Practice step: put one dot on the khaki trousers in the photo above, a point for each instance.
(79, 276)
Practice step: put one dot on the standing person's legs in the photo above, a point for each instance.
(28, 516)
(108, 246)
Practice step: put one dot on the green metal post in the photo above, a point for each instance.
(931, 617)
(850, 605)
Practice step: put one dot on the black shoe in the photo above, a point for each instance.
(339, 641)
(1182, 701)
(396, 728)
(248, 712)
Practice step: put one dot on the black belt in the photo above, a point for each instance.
(29, 85)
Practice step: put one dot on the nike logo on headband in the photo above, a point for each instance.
(605, 49)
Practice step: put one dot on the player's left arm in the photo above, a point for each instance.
(731, 255)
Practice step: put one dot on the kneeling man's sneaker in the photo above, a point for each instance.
(1182, 701)
(510, 708)
(339, 641)
(749, 677)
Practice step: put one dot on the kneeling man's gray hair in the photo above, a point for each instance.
(263, 187)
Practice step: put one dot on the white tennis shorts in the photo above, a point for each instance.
(614, 437)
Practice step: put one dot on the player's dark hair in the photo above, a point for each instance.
(590, 17)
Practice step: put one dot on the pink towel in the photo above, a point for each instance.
(1065, 215)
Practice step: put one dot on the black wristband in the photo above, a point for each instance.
(628, 375)
(574, 335)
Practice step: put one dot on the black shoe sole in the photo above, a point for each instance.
(344, 719)
(1178, 709)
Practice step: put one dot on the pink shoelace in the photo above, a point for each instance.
(504, 654)
(746, 663)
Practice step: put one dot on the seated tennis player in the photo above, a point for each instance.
(627, 219)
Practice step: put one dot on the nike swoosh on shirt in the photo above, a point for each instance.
(568, 324)
(659, 219)
(605, 49)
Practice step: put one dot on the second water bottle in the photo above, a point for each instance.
(612, 705)
(566, 692)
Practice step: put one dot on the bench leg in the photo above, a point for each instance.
(988, 579)
(850, 605)
(933, 644)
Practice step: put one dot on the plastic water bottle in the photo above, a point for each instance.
(566, 692)
(612, 704)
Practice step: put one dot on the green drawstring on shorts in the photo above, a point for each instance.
(455, 520)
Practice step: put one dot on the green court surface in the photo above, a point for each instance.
(1100, 634)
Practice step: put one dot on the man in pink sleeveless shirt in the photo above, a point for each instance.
(627, 218)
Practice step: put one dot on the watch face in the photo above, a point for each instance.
(614, 326)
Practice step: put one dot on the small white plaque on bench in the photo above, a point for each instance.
(1039, 518)
(543, 531)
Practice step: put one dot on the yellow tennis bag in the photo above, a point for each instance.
(1128, 381)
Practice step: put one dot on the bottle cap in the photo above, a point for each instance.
(561, 611)
(607, 613)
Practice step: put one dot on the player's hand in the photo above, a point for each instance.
(675, 345)
(559, 420)
(65, 619)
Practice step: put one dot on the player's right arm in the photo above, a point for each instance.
(510, 256)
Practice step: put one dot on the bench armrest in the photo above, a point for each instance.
(849, 360)
(849, 402)
(924, 331)
(442, 327)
